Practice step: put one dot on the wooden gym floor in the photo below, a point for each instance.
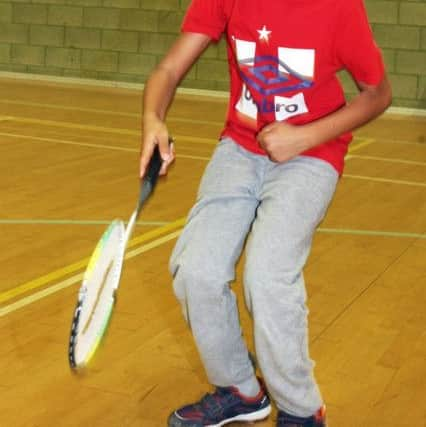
(68, 165)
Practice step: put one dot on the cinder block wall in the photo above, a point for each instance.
(122, 40)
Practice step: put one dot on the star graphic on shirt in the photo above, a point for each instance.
(264, 33)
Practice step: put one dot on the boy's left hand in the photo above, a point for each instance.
(282, 141)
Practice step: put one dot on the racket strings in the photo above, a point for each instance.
(97, 298)
(97, 293)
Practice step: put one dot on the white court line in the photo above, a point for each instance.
(123, 131)
(87, 144)
(121, 148)
(103, 111)
(35, 221)
(158, 242)
(387, 159)
(111, 147)
(352, 148)
(390, 181)
(104, 129)
(78, 277)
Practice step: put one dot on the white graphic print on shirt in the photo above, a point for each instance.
(266, 78)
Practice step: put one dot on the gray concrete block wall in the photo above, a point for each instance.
(123, 40)
(399, 27)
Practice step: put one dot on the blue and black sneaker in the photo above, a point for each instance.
(316, 420)
(224, 406)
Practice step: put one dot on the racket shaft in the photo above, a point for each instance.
(130, 227)
(148, 184)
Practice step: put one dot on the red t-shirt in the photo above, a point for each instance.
(283, 58)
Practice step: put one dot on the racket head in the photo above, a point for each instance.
(96, 297)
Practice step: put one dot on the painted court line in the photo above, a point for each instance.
(385, 180)
(78, 277)
(388, 159)
(352, 148)
(158, 242)
(122, 131)
(29, 221)
(400, 141)
(103, 111)
(70, 125)
(80, 265)
(376, 233)
(89, 145)
(95, 128)
(62, 272)
(46, 279)
(66, 142)
(355, 146)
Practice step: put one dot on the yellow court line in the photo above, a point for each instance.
(103, 111)
(179, 223)
(95, 128)
(62, 272)
(78, 277)
(70, 125)
(187, 156)
(399, 141)
(352, 148)
(67, 142)
(88, 144)
(210, 141)
(363, 142)
(79, 265)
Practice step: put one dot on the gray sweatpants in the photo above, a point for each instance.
(280, 205)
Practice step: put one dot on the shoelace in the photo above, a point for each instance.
(215, 404)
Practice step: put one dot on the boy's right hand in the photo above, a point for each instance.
(155, 133)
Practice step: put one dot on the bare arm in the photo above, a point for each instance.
(282, 141)
(158, 94)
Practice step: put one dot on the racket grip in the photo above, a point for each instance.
(154, 166)
(151, 176)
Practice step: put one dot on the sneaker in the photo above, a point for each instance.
(287, 420)
(224, 406)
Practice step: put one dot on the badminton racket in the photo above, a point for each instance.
(97, 294)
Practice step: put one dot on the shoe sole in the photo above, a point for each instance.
(253, 416)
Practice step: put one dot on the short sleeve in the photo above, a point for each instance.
(206, 17)
(356, 48)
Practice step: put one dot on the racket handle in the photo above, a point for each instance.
(151, 175)
(154, 167)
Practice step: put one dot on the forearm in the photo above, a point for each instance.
(158, 94)
(161, 86)
(369, 104)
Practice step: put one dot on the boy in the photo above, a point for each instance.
(272, 176)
